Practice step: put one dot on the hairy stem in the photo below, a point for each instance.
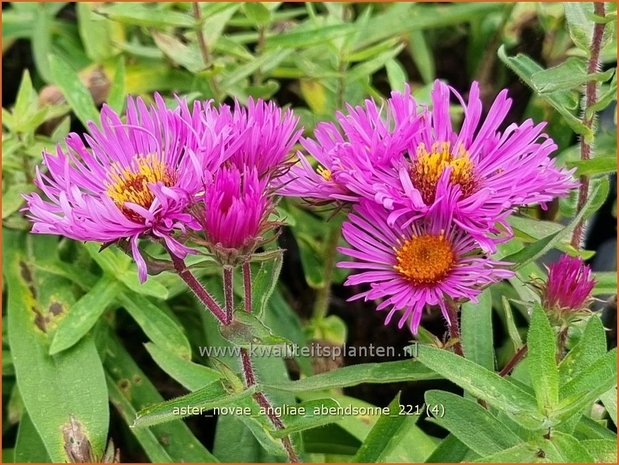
(198, 289)
(509, 366)
(247, 286)
(323, 294)
(588, 120)
(228, 293)
(454, 327)
(250, 376)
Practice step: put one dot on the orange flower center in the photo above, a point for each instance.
(130, 184)
(425, 259)
(428, 167)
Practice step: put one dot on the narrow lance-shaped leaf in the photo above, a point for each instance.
(541, 359)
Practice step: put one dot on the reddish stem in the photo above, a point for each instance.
(590, 100)
(454, 328)
(198, 289)
(519, 355)
(247, 286)
(228, 293)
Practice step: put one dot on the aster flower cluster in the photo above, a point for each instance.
(429, 202)
(164, 173)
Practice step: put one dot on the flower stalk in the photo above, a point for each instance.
(589, 119)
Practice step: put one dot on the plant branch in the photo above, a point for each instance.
(588, 120)
(519, 355)
(198, 289)
(228, 293)
(250, 375)
(454, 328)
(247, 285)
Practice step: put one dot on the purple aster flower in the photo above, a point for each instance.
(568, 288)
(414, 266)
(133, 178)
(490, 171)
(369, 135)
(260, 135)
(236, 209)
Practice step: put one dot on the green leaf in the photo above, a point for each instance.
(589, 385)
(264, 281)
(94, 32)
(191, 375)
(195, 403)
(449, 450)
(26, 100)
(565, 448)
(601, 450)
(29, 448)
(396, 75)
(541, 359)
(386, 433)
(605, 282)
(257, 13)
(579, 24)
(522, 453)
(590, 348)
(422, 55)
(73, 382)
(471, 423)
(74, 91)
(367, 68)
(12, 199)
(117, 95)
(41, 42)
(156, 324)
(84, 314)
(313, 417)
(525, 67)
(483, 384)
(187, 56)
(530, 253)
(476, 331)
(569, 75)
(378, 373)
(594, 166)
(141, 14)
(609, 399)
(246, 330)
(303, 36)
(512, 330)
(131, 390)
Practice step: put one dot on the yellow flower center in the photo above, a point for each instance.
(425, 259)
(428, 167)
(324, 172)
(130, 184)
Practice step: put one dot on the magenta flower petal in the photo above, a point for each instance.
(127, 178)
(415, 266)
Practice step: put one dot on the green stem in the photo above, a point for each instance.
(323, 294)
